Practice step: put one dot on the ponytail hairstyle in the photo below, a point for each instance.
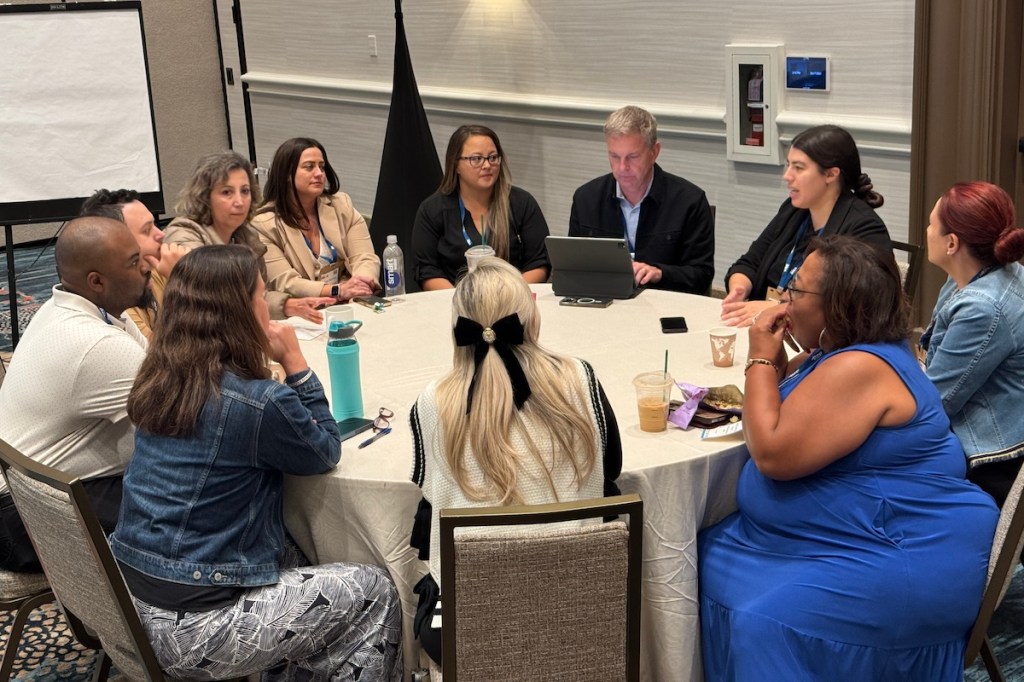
(490, 292)
(830, 146)
(983, 217)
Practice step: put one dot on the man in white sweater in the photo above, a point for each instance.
(63, 402)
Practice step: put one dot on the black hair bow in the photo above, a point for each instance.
(503, 334)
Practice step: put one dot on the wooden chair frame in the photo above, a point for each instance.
(10, 458)
(995, 587)
(914, 258)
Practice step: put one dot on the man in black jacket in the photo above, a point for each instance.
(665, 219)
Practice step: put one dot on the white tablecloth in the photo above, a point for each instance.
(363, 511)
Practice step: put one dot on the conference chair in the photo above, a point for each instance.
(711, 287)
(79, 565)
(910, 267)
(21, 593)
(555, 602)
(1006, 548)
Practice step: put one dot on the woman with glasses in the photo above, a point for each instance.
(477, 204)
(201, 538)
(510, 424)
(317, 243)
(828, 194)
(975, 342)
(859, 551)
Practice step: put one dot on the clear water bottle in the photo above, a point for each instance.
(394, 269)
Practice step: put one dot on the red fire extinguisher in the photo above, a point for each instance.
(757, 129)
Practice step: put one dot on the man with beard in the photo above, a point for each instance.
(124, 205)
(63, 400)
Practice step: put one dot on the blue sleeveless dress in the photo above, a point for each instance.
(869, 569)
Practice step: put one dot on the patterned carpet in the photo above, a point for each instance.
(37, 274)
(48, 651)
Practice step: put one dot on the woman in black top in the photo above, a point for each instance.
(828, 194)
(477, 204)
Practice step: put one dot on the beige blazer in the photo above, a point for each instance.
(291, 266)
(193, 235)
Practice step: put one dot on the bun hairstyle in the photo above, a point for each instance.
(830, 146)
(983, 217)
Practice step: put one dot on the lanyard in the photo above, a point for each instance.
(333, 256)
(462, 221)
(790, 268)
(812, 359)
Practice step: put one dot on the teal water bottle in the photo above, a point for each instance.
(343, 361)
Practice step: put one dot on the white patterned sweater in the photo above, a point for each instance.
(441, 491)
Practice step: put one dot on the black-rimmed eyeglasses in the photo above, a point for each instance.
(477, 160)
(795, 293)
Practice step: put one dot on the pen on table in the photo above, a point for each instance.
(382, 433)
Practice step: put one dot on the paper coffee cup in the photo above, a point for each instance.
(723, 346)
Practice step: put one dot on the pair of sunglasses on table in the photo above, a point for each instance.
(381, 426)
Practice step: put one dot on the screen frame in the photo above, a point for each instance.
(824, 85)
(64, 208)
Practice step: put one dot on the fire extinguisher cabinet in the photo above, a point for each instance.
(753, 85)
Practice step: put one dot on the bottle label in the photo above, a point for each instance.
(392, 275)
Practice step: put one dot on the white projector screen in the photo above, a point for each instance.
(76, 111)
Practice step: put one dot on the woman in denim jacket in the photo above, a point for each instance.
(201, 539)
(975, 341)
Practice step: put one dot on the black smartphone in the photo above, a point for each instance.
(673, 325)
(352, 426)
(370, 301)
(585, 302)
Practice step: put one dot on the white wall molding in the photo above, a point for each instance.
(886, 136)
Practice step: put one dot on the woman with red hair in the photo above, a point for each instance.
(975, 341)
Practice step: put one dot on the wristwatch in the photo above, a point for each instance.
(334, 291)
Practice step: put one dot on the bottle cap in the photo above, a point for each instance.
(392, 239)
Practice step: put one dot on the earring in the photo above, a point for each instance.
(821, 338)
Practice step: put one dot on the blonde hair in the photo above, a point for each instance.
(631, 120)
(493, 290)
(499, 219)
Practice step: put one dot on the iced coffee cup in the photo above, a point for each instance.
(723, 346)
(652, 395)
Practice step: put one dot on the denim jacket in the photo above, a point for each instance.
(976, 359)
(206, 509)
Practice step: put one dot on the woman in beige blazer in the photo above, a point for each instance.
(216, 207)
(317, 243)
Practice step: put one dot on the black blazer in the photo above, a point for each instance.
(764, 260)
(675, 232)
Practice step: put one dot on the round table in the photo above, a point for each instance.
(363, 510)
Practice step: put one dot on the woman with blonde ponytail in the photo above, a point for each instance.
(512, 423)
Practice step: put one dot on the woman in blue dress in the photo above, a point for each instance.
(859, 550)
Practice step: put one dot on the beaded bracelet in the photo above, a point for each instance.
(759, 361)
